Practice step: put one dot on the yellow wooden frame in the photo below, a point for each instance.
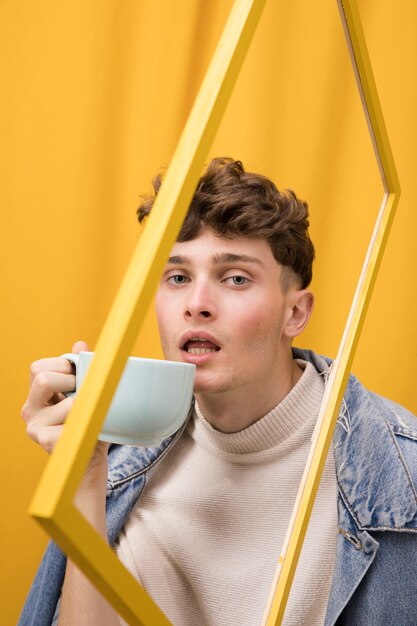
(52, 505)
(339, 372)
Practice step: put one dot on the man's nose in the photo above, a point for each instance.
(200, 303)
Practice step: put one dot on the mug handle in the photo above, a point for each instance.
(72, 358)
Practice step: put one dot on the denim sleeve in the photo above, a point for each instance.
(43, 597)
(56, 614)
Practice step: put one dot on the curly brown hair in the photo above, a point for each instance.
(235, 203)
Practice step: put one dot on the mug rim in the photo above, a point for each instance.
(142, 359)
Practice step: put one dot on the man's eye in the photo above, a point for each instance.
(178, 279)
(237, 281)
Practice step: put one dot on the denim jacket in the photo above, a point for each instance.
(375, 451)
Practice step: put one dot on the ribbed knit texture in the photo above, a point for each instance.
(205, 537)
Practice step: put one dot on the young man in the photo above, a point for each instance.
(200, 521)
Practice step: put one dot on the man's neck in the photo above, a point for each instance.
(234, 410)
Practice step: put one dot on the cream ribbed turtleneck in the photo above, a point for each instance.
(205, 537)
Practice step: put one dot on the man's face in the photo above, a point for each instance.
(220, 305)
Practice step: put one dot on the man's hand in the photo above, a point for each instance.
(46, 407)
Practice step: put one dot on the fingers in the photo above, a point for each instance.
(48, 416)
(47, 436)
(55, 364)
(46, 407)
(44, 426)
(45, 385)
(80, 346)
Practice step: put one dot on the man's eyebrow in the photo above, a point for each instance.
(178, 260)
(230, 257)
(217, 259)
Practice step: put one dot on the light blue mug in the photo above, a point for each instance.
(151, 402)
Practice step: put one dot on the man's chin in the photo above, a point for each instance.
(209, 387)
(202, 387)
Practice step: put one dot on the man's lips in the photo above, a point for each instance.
(199, 342)
(200, 347)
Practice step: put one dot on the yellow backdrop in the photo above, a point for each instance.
(94, 96)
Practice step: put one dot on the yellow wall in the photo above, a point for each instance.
(94, 95)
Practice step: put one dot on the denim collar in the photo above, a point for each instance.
(373, 478)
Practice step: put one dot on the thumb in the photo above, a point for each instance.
(79, 346)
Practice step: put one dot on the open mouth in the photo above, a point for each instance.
(198, 345)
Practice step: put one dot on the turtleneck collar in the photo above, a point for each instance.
(300, 405)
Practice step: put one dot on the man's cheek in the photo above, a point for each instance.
(253, 327)
(169, 348)
(165, 345)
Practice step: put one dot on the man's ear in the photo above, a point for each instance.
(301, 307)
